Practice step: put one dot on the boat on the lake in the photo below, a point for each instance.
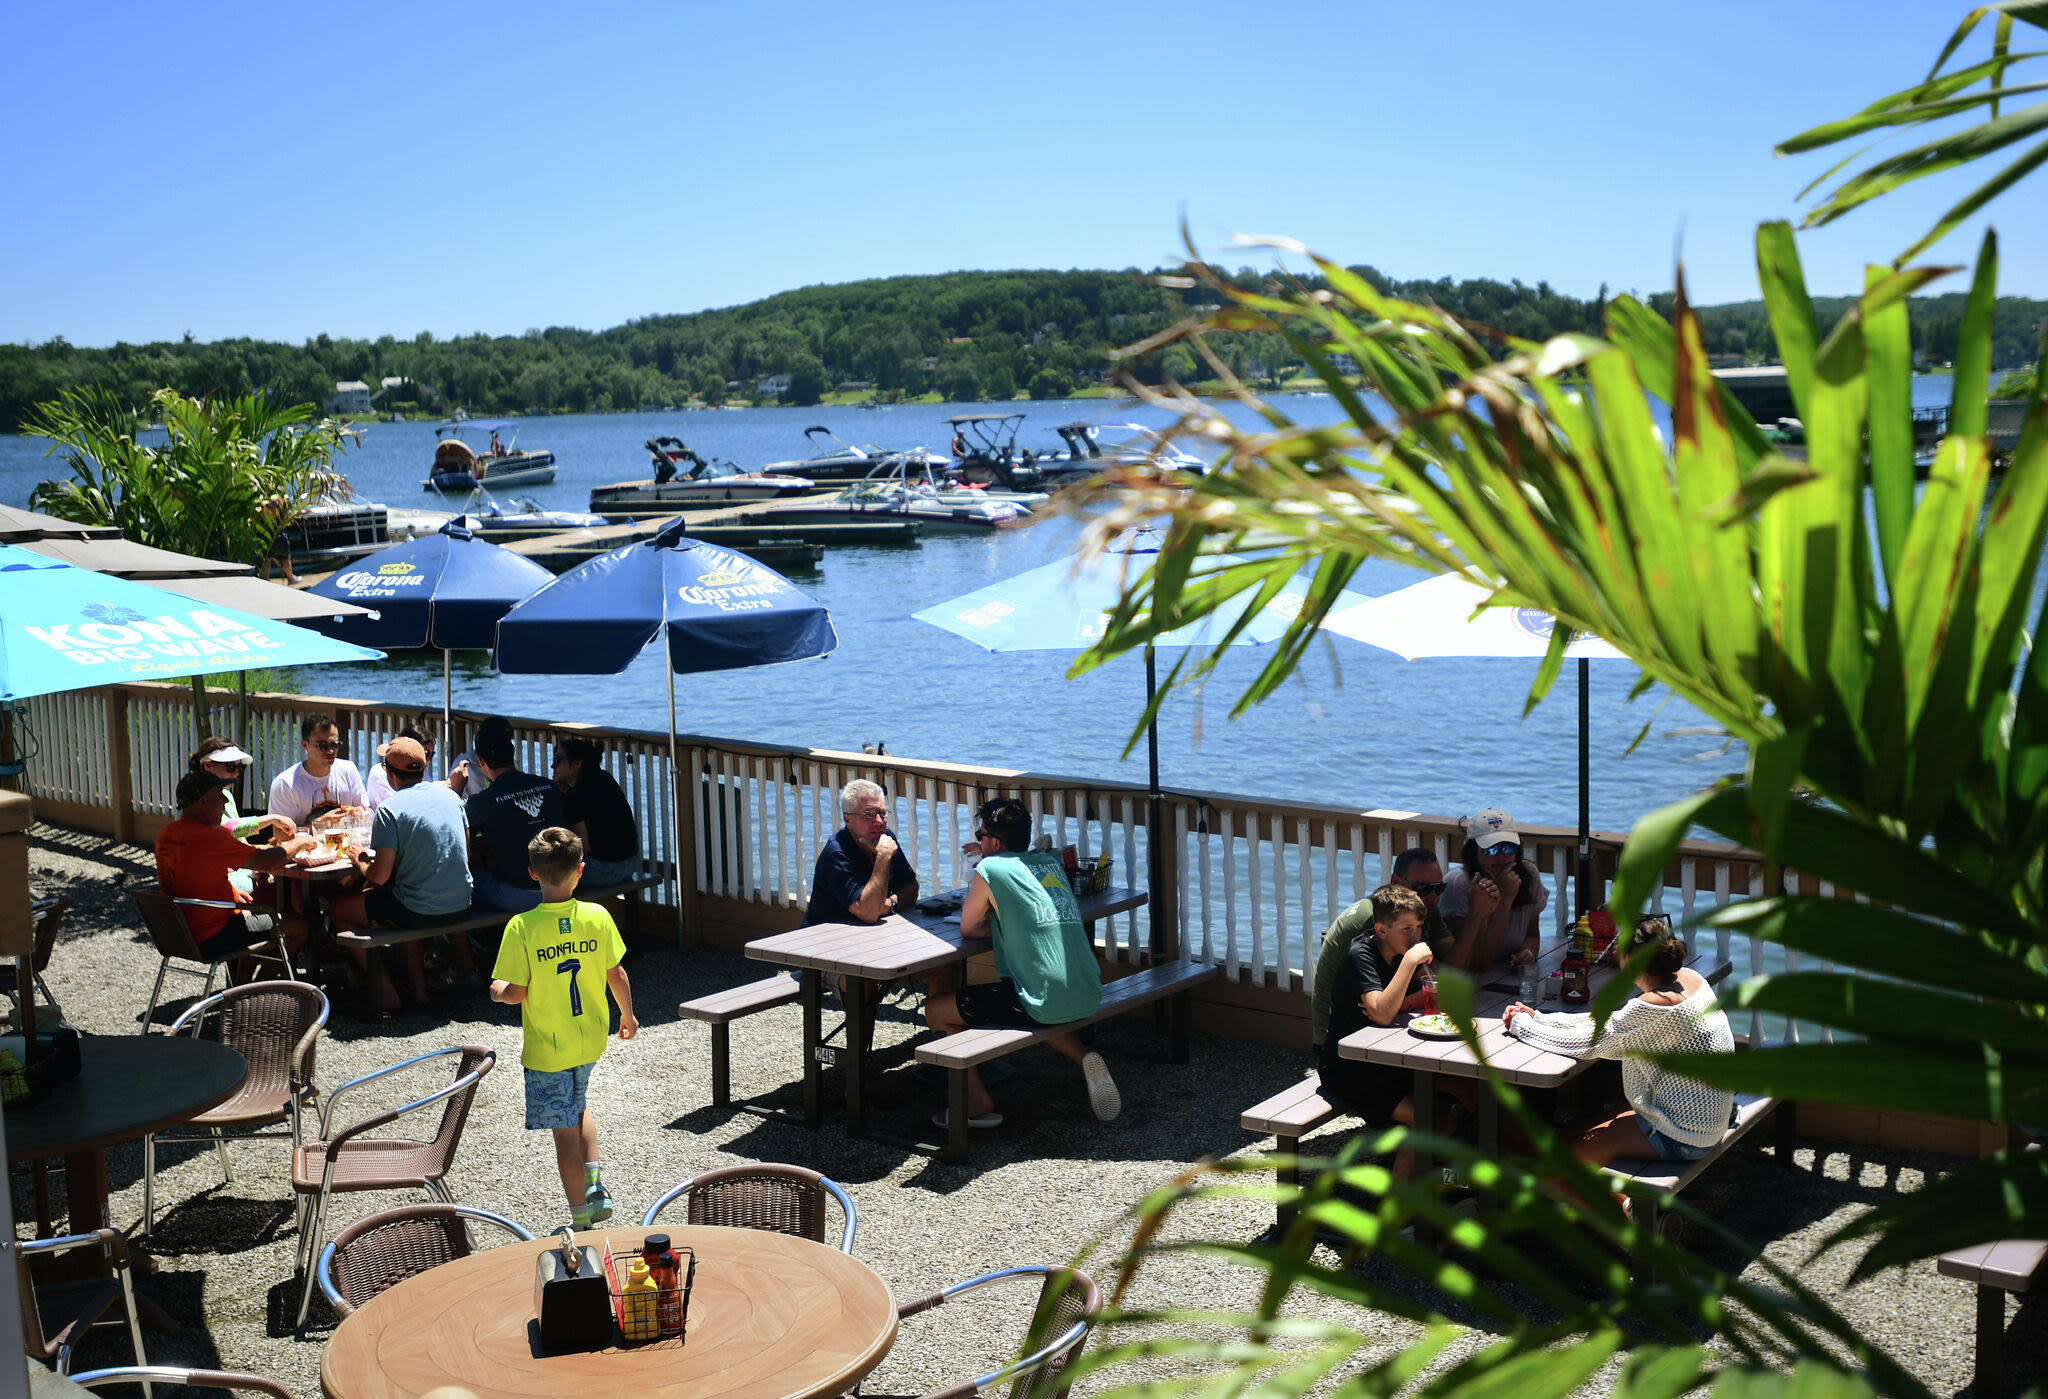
(884, 500)
(522, 517)
(921, 478)
(840, 460)
(985, 453)
(1086, 455)
(460, 467)
(684, 480)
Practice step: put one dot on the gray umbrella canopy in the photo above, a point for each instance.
(17, 525)
(124, 558)
(258, 597)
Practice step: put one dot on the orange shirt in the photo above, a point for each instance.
(192, 862)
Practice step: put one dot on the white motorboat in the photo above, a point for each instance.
(522, 517)
(841, 461)
(460, 467)
(891, 500)
(985, 453)
(684, 481)
(1086, 454)
(920, 478)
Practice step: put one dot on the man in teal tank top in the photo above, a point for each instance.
(1021, 900)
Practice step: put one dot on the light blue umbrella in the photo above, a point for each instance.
(65, 628)
(1058, 607)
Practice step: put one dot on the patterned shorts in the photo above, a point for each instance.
(554, 1100)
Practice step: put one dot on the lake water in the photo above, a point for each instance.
(1358, 726)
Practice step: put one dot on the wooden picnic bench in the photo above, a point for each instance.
(720, 1009)
(373, 942)
(1671, 1177)
(957, 1053)
(2009, 1265)
(1287, 1117)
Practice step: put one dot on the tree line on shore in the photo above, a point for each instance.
(963, 336)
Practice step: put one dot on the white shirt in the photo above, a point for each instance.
(475, 781)
(295, 792)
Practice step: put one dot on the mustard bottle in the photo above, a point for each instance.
(639, 1302)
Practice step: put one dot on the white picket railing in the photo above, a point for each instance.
(1255, 881)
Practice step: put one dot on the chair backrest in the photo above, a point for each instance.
(382, 1250)
(475, 1059)
(1067, 1296)
(165, 922)
(48, 916)
(275, 1025)
(777, 1198)
(177, 1374)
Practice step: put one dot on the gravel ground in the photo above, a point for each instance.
(1040, 1189)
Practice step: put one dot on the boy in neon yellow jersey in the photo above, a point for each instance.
(555, 964)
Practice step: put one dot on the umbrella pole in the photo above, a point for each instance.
(1153, 817)
(1584, 901)
(447, 699)
(242, 709)
(675, 773)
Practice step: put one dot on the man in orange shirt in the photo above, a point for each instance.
(194, 856)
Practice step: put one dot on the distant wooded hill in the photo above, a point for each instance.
(962, 335)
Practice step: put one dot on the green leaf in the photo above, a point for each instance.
(1901, 1078)
(1897, 1011)
(1887, 942)
(2003, 1196)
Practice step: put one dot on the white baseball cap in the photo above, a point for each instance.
(1491, 827)
(230, 754)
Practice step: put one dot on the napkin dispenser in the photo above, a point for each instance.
(571, 1297)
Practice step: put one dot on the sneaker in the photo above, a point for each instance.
(1102, 1094)
(599, 1201)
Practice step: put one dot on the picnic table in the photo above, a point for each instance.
(1518, 1063)
(915, 942)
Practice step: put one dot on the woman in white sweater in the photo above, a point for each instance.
(1669, 1118)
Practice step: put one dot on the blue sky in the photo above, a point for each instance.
(277, 171)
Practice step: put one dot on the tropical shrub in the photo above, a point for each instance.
(1865, 639)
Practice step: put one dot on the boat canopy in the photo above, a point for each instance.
(478, 425)
(960, 418)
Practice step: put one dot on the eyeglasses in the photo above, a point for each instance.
(326, 745)
(984, 835)
(867, 815)
(1434, 888)
(1506, 847)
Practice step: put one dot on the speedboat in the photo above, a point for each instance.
(522, 517)
(890, 500)
(683, 481)
(985, 453)
(840, 460)
(460, 467)
(919, 478)
(1086, 455)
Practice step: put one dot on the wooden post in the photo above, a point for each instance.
(121, 783)
(1163, 898)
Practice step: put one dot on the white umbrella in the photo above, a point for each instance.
(1436, 618)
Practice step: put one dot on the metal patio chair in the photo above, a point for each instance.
(145, 1375)
(348, 1161)
(55, 1316)
(780, 1199)
(1068, 1300)
(163, 916)
(381, 1250)
(275, 1025)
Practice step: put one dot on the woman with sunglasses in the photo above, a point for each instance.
(1493, 902)
(219, 757)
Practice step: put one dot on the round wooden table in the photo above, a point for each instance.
(127, 1087)
(771, 1317)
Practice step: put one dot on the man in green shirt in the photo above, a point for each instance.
(1021, 900)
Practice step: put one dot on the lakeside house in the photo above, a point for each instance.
(350, 396)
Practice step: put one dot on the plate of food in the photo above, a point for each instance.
(1434, 1027)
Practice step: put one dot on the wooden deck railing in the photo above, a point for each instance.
(1246, 884)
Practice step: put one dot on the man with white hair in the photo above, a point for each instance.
(862, 874)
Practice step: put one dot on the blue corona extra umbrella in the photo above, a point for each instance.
(1059, 608)
(65, 628)
(446, 590)
(713, 609)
